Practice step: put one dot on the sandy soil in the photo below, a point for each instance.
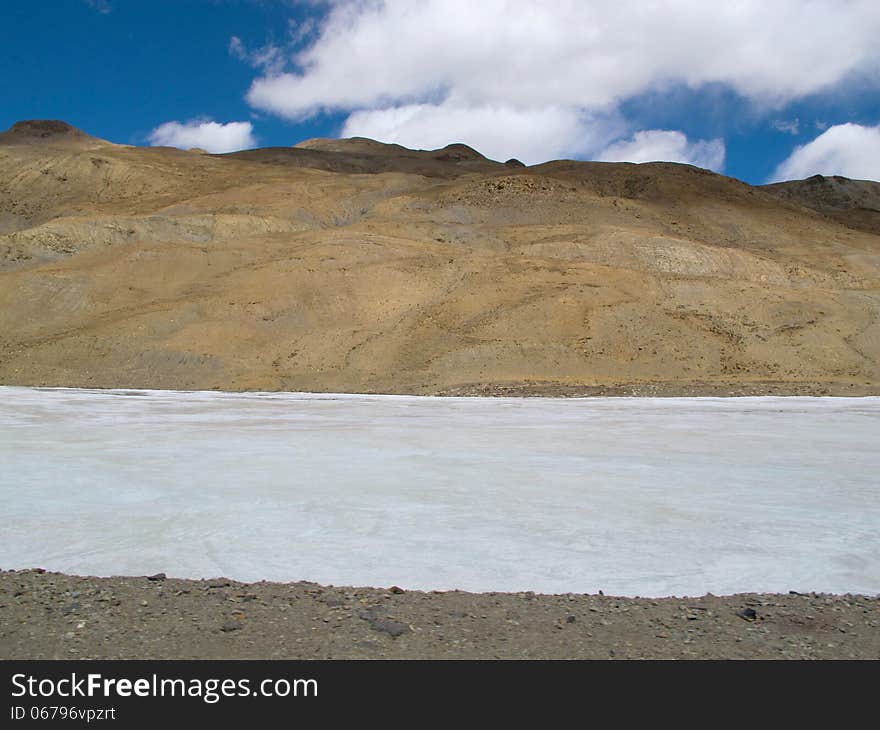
(55, 616)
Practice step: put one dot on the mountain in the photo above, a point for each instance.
(356, 266)
(46, 131)
(854, 203)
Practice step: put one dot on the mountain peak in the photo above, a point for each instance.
(458, 152)
(44, 130)
(356, 145)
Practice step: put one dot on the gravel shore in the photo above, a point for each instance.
(55, 616)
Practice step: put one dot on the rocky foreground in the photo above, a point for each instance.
(55, 616)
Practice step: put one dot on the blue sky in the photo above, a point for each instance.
(750, 92)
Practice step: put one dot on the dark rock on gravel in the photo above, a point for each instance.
(375, 617)
(389, 626)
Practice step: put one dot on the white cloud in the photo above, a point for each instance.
(237, 49)
(101, 6)
(401, 68)
(270, 58)
(792, 127)
(207, 135)
(666, 146)
(851, 150)
(569, 52)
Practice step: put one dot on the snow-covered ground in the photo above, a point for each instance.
(640, 496)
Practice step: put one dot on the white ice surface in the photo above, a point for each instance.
(650, 497)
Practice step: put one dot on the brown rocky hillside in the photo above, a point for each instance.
(355, 266)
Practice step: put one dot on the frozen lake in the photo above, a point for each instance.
(641, 496)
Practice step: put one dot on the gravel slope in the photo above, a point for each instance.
(55, 616)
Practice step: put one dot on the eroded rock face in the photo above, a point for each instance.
(353, 265)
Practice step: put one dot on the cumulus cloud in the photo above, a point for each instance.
(662, 145)
(569, 52)
(402, 68)
(207, 135)
(851, 150)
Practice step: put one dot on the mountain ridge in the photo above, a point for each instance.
(355, 266)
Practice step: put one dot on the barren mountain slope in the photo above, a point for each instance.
(855, 203)
(349, 265)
